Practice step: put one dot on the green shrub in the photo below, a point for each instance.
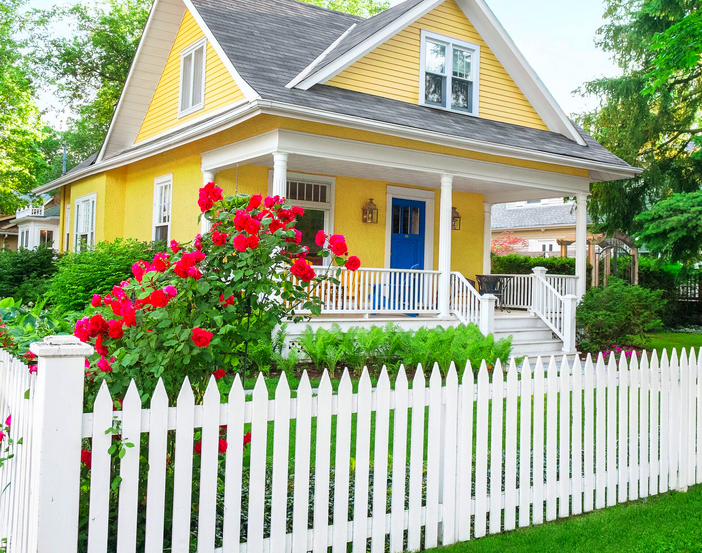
(619, 314)
(25, 274)
(82, 274)
(515, 264)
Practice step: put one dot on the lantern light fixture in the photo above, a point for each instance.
(370, 212)
(455, 219)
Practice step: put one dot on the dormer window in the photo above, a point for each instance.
(449, 76)
(192, 78)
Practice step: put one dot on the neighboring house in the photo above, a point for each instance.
(8, 233)
(38, 224)
(542, 223)
(427, 111)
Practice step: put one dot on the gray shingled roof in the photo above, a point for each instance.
(537, 216)
(271, 41)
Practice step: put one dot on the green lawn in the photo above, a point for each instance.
(669, 523)
(673, 340)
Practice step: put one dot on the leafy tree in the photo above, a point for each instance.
(650, 115)
(673, 227)
(20, 126)
(364, 8)
(507, 243)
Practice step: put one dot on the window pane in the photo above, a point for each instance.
(309, 224)
(396, 219)
(461, 64)
(434, 89)
(462, 94)
(187, 84)
(414, 221)
(198, 65)
(405, 220)
(161, 233)
(435, 57)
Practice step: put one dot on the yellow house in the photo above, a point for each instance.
(427, 112)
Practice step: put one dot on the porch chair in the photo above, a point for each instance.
(491, 284)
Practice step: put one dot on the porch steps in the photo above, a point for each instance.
(530, 335)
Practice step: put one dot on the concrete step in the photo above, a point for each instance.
(525, 334)
(522, 321)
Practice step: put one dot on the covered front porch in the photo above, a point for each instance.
(431, 236)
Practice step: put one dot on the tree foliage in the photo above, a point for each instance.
(21, 130)
(650, 115)
(363, 8)
(673, 227)
(507, 243)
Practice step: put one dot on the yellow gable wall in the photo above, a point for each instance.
(220, 88)
(392, 69)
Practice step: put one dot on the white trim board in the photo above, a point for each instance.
(426, 196)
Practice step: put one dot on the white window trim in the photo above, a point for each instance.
(475, 70)
(329, 206)
(77, 201)
(160, 181)
(426, 196)
(185, 52)
(54, 230)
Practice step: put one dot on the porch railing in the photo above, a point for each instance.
(517, 293)
(555, 309)
(465, 300)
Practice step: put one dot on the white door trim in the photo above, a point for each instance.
(426, 196)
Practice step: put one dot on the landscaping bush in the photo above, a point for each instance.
(25, 274)
(619, 314)
(96, 271)
(391, 346)
(515, 264)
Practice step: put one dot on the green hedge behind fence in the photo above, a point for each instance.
(515, 264)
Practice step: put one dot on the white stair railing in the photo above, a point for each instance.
(469, 306)
(555, 309)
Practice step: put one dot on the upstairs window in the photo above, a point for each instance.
(192, 78)
(162, 208)
(449, 76)
(85, 222)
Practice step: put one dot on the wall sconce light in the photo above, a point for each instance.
(370, 212)
(455, 219)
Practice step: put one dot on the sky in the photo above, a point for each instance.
(556, 37)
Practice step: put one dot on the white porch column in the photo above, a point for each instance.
(487, 238)
(207, 176)
(445, 206)
(581, 244)
(280, 174)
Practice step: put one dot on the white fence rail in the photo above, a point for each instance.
(442, 462)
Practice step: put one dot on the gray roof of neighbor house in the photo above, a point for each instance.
(533, 216)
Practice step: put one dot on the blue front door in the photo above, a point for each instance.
(407, 244)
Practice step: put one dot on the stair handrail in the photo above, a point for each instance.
(556, 310)
(469, 306)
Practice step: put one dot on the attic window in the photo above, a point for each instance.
(449, 74)
(192, 78)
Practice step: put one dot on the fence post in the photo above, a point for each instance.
(570, 303)
(58, 430)
(536, 288)
(487, 314)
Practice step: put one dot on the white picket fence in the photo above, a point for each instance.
(432, 463)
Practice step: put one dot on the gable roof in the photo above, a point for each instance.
(536, 216)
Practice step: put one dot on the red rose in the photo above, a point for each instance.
(180, 270)
(198, 256)
(353, 263)
(296, 238)
(240, 242)
(247, 439)
(96, 301)
(138, 270)
(201, 338)
(161, 262)
(302, 270)
(104, 365)
(219, 373)
(86, 457)
(129, 316)
(195, 273)
(227, 301)
(320, 238)
(29, 355)
(298, 211)
(198, 447)
(175, 247)
(240, 220)
(222, 445)
(270, 201)
(254, 202)
(198, 242)
(219, 238)
(96, 325)
(115, 329)
(252, 226)
(159, 298)
(337, 244)
(205, 203)
(252, 242)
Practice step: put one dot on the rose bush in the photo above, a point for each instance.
(192, 311)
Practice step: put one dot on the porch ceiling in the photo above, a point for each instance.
(309, 153)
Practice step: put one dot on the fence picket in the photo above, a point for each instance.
(343, 458)
(465, 457)
(664, 417)
(611, 431)
(431, 526)
(182, 480)
(634, 437)
(673, 421)
(645, 386)
(623, 412)
(231, 526)
(496, 443)
(481, 452)
(653, 426)
(100, 473)
(448, 486)
(684, 426)
(321, 464)
(209, 458)
(577, 439)
(156, 481)
(303, 431)
(691, 416)
(525, 448)
(698, 434)
(538, 449)
(129, 471)
(416, 460)
(600, 435)
(511, 424)
(551, 439)
(363, 433)
(399, 465)
(257, 473)
(564, 439)
(380, 461)
(281, 454)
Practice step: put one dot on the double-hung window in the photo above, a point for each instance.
(163, 188)
(192, 78)
(24, 238)
(85, 222)
(449, 74)
(67, 228)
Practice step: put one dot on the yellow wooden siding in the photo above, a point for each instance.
(220, 88)
(392, 70)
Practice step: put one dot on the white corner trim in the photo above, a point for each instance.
(507, 53)
(426, 196)
(246, 89)
(307, 70)
(357, 52)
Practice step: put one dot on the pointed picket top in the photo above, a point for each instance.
(325, 386)
(186, 392)
(526, 368)
(483, 377)
(498, 375)
(104, 396)
(304, 385)
(132, 399)
(565, 366)
(468, 375)
(654, 357)
(512, 371)
(282, 389)
(644, 360)
(664, 357)
(345, 382)
(577, 365)
(623, 364)
(498, 366)
(236, 392)
(364, 383)
(539, 368)
(552, 368)
(634, 362)
(212, 391)
(693, 359)
(612, 365)
(419, 379)
(383, 380)
(401, 379)
(435, 377)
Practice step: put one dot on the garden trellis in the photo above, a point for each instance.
(408, 464)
